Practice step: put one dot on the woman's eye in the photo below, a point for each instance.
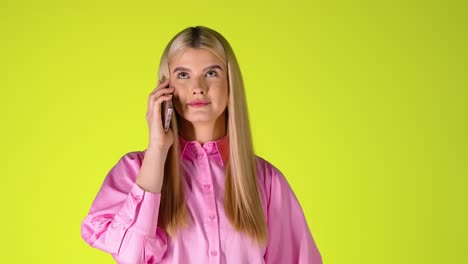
(182, 75)
(212, 73)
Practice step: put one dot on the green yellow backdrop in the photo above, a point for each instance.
(361, 104)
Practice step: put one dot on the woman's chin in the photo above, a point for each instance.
(199, 119)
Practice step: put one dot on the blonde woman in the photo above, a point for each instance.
(198, 193)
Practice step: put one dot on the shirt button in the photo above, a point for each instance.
(200, 156)
(138, 198)
(214, 253)
(207, 187)
(212, 217)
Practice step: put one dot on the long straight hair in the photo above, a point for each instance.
(242, 202)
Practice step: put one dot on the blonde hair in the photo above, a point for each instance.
(242, 202)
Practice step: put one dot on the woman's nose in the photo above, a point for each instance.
(199, 86)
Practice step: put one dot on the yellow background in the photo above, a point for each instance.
(361, 104)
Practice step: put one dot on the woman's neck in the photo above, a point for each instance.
(203, 132)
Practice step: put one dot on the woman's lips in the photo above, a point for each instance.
(198, 103)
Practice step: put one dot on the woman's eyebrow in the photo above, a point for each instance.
(216, 66)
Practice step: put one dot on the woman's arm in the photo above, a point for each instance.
(123, 217)
(290, 240)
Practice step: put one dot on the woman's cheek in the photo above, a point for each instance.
(178, 105)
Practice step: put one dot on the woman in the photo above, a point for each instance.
(198, 193)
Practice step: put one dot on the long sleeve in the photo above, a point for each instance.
(290, 240)
(123, 217)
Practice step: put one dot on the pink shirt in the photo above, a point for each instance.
(123, 218)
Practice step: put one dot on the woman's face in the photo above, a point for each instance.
(201, 85)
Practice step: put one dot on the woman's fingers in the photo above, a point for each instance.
(156, 120)
(155, 100)
(157, 135)
(155, 103)
(158, 92)
(161, 85)
(159, 89)
(158, 102)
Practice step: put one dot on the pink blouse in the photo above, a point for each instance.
(123, 217)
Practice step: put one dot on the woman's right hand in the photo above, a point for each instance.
(157, 137)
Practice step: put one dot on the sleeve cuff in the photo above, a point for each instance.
(146, 217)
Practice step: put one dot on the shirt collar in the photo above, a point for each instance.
(194, 148)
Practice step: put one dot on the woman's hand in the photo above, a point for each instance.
(157, 137)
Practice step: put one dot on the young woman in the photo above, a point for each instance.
(198, 193)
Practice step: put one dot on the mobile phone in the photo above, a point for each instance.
(166, 111)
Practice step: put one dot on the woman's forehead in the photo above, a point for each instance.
(196, 56)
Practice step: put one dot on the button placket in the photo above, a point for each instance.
(210, 203)
(207, 187)
(200, 156)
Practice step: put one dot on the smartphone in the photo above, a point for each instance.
(166, 111)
